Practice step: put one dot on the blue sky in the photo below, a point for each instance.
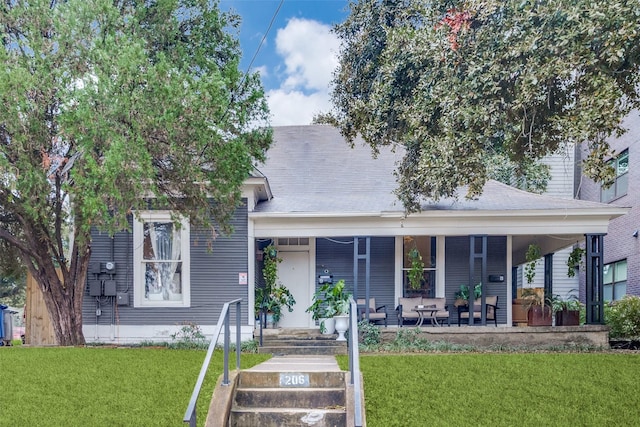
(298, 55)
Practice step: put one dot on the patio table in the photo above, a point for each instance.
(422, 311)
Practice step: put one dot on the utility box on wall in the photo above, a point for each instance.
(95, 288)
(110, 288)
(122, 298)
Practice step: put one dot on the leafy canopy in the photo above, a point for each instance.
(457, 83)
(102, 102)
(112, 106)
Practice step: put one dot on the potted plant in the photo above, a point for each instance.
(538, 309)
(566, 310)
(416, 272)
(331, 301)
(532, 256)
(322, 309)
(340, 302)
(274, 296)
(462, 295)
(575, 260)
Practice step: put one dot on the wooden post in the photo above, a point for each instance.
(38, 327)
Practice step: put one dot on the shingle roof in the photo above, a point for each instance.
(311, 169)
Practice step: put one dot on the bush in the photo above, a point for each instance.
(189, 336)
(370, 334)
(623, 317)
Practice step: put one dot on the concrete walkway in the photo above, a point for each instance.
(298, 364)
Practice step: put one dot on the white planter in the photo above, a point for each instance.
(270, 323)
(342, 324)
(329, 326)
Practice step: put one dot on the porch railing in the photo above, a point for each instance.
(354, 362)
(223, 321)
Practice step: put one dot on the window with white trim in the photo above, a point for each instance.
(615, 280)
(620, 184)
(160, 261)
(424, 249)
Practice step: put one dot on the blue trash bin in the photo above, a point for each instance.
(3, 309)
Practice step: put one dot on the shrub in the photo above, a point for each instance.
(189, 336)
(623, 317)
(370, 335)
(250, 346)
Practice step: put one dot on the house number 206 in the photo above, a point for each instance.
(289, 379)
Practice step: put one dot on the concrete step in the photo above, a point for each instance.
(271, 379)
(309, 398)
(300, 342)
(287, 417)
(320, 339)
(304, 342)
(302, 350)
(291, 391)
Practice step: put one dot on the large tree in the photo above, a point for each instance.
(458, 82)
(109, 106)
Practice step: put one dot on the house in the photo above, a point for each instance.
(622, 243)
(331, 213)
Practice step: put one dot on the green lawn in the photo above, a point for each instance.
(554, 389)
(104, 386)
(151, 387)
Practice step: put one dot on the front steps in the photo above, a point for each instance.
(291, 391)
(299, 342)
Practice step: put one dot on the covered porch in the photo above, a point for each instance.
(461, 242)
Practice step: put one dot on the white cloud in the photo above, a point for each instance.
(309, 51)
(263, 70)
(292, 107)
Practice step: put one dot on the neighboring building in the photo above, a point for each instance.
(329, 210)
(622, 242)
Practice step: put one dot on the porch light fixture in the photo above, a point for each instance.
(635, 234)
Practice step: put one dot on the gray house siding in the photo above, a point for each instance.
(215, 266)
(457, 271)
(336, 255)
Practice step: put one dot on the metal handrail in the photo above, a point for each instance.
(223, 321)
(354, 362)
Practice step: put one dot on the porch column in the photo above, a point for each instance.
(594, 276)
(357, 258)
(473, 255)
(548, 275)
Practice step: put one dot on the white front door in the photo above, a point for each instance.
(293, 272)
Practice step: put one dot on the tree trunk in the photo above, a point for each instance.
(63, 292)
(66, 319)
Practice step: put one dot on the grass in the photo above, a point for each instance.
(151, 387)
(546, 389)
(104, 386)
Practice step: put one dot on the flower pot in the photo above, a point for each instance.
(459, 302)
(539, 315)
(270, 323)
(329, 326)
(568, 318)
(342, 324)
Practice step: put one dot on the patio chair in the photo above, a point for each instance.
(492, 307)
(376, 314)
